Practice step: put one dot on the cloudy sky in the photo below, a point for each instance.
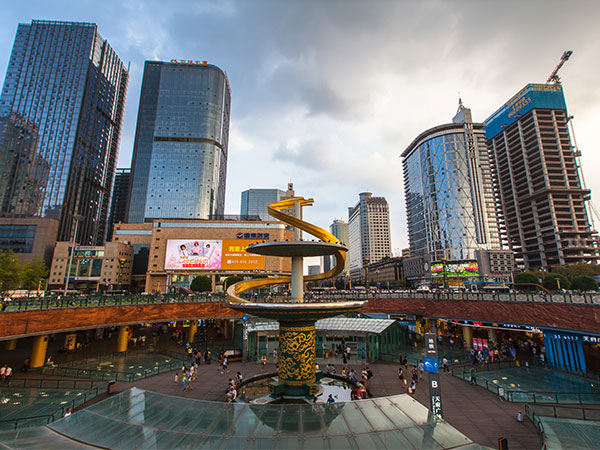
(327, 94)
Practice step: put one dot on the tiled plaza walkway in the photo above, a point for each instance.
(472, 410)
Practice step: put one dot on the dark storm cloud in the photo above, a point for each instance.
(327, 94)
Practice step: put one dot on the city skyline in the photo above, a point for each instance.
(310, 98)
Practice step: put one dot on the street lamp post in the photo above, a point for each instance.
(76, 218)
(121, 263)
(367, 273)
(445, 274)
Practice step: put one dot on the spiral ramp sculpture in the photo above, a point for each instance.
(275, 210)
(296, 374)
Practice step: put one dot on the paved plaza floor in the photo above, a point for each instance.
(472, 410)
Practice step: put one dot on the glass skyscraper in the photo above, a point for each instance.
(450, 198)
(64, 93)
(179, 162)
(256, 201)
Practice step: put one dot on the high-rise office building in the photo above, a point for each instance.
(539, 180)
(64, 93)
(339, 229)
(449, 189)
(255, 202)
(180, 151)
(368, 232)
(120, 200)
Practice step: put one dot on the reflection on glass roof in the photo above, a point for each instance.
(138, 418)
(342, 324)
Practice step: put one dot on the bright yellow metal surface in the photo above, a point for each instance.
(234, 291)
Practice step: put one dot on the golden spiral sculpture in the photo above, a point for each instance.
(234, 291)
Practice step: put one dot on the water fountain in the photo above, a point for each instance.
(297, 377)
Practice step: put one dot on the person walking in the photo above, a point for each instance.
(445, 364)
(421, 367)
(401, 376)
(472, 373)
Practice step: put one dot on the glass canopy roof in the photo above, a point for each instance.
(343, 324)
(138, 418)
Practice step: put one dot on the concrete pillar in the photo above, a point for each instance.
(38, 353)
(297, 280)
(11, 344)
(468, 336)
(192, 331)
(492, 336)
(123, 338)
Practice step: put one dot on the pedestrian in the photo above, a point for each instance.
(445, 364)
(415, 375)
(330, 400)
(225, 364)
(176, 378)
(363, 356)
(421, 369)
(263, 362)
(412, 388)
(472, 373)
(3, 373)
(68, 412)
(8, 375)
(238, 378)
(275, 355)
(401, 375)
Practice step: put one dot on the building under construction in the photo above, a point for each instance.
(543, 198)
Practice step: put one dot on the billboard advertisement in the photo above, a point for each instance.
(236, 258)
(199, 254)
(194, 254)
(456, 269)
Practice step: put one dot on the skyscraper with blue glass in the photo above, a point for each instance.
(180, 152)
(451, 204)
(64, 92)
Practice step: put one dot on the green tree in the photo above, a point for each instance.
(201, 283)
(10, 274)
(232, 280)
(584, 283)
(526, 278)
(31, 273)
(574, 270)
(552, 280)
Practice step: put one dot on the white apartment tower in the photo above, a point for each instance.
(368, 232)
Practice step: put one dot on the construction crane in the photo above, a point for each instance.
(554, 78)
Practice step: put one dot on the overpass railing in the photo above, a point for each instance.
(86, 301)
(511, 297)
(92, 301)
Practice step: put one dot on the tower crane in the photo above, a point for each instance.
(554, 78)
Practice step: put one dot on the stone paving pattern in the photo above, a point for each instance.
(474, 411)
(471, 409)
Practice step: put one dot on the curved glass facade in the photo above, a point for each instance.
(449, 194)
(180, 151)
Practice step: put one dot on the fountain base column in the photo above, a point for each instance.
(297, 349)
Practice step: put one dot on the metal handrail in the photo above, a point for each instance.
(86, 301)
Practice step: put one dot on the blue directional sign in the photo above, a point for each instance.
(431, 364)
(245, 318)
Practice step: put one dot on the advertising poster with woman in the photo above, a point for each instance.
(193, 254)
